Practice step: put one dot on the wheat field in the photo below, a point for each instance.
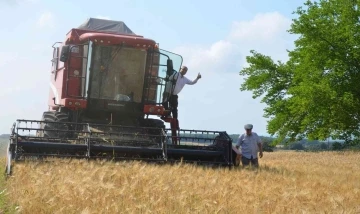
(286, 182)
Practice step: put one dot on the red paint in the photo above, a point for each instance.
(74, 104)
(174, 125)
(154, 110)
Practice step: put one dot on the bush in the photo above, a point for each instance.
(267, 147)
(297, 146)
(323, 146)
(337, 146)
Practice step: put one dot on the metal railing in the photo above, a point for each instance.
(83, 140)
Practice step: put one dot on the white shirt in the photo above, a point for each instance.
(249, 145)
(180, 82)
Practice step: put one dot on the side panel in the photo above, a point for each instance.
(67, 80)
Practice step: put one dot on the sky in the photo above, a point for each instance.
(213, 39)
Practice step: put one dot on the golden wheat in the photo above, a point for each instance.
(286, 182)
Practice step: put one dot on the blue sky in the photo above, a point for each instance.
(213, 38)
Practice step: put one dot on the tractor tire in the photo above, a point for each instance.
(61, 118)
(154, 123)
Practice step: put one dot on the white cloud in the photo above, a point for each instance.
(18, 2)
(103, 17)
(28, 1)
(210, 58)
(6, 58)
(264, 27)
(46, 20)
(216, 102)
(10, 90)
(23, 89)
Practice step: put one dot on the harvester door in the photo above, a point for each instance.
(158, 84)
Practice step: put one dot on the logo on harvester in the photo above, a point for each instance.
(116, 104)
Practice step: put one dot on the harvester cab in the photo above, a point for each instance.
(105, 82)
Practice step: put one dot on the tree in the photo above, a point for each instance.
(315, 94)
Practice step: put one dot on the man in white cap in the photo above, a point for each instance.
(179, 79)
(250, 144)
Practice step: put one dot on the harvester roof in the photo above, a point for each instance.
(110, 26)
(109, 30)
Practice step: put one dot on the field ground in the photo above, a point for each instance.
(5, 205)
(287, 182)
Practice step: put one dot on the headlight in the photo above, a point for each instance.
(76, 73)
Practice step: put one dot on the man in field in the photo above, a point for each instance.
(179, 79)
(250, 144)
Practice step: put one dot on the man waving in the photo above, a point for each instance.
(179, 79)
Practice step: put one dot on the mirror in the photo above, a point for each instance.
(170, 68)
(64, 55)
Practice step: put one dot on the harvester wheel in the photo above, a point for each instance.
(154, 123)
(59, 117)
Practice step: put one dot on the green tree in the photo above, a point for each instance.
(315, 94)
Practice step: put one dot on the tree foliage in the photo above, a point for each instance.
(315, 94)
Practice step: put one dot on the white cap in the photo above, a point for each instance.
(248, 126)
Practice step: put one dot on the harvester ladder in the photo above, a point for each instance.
(82, 72)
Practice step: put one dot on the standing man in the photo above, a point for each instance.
(179, 79)
(250, 144)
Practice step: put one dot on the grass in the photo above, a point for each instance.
(286, 182)
(5, 205)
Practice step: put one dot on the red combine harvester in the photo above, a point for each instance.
(105, 83)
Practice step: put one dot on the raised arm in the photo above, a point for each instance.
(189, 82)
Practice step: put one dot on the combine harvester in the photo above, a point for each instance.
(105, 82)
